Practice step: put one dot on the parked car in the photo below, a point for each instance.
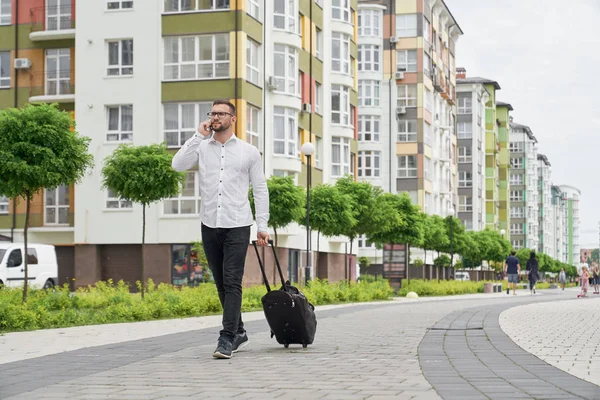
(42, 265)
(462, 276)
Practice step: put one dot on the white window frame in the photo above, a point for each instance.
(172, 70)
(426, 65)
(465, 154)
(368, 93)
(363, 243)
(517, 212)
(516, 195)
(369, 164)
(426, 30)
(343, 41)
(289, 16)
(116, 5)
(290, 131)
(340, 116)
(56, 207)
(516, 162)
(465, 105)
(318, 152)
(5, 12)
(368, 128)
(183, 132)
(4, 205)
(318, 98)
(516, 179)
(427, 168)
(516, 147)
(253, 115)
(516, 229)
(319, 43)
(253, 9)
(369, 23)
(407, 166)
(406, 60)
(369, 58)
(465, 203)
(114, 203)
(407, 95)
(465, 179)
(465, 130)
(340, 10)
(253, 62)
(341, 167)
(122, 135)
(119, 69)
(181, 198)
(214, 7)
(405, 133)
(289, 83)
(406, 25)
(5, 72)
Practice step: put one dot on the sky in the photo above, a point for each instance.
(545, 54)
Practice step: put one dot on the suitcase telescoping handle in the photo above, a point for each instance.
(262, 267)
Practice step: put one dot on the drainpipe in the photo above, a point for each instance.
(15, 104)
(237, 31)
(264, 91)
(391, 82)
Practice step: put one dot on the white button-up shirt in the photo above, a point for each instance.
(226, 172)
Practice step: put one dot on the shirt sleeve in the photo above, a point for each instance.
(260, 191)
(188, 155)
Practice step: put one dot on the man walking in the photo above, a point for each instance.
(227, 166)
(512, 268)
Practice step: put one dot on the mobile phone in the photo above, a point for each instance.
(210, 127)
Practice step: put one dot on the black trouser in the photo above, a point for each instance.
(225, 250)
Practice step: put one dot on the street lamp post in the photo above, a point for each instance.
(308, 149)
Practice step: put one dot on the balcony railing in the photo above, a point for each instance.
(52, 19)
(52, 85)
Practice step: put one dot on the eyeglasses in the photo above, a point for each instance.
(220, 114)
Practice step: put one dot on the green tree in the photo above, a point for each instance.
(142, 174)
(287, 203)
(595, 255)
(434, 234)
(456, 232)
(39, 149)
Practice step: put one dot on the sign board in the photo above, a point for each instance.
(395, 260)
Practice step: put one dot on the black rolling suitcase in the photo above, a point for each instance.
(290, 316)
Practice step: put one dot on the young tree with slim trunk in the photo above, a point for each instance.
(39, 149)
(434, 235)
(142, 174)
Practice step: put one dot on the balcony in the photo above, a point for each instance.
(52, 86)
(52, 23)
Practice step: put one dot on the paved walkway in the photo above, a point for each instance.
(363, 351)
(564, 334)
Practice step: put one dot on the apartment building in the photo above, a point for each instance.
(524, 195)
(471, 99)
(571, 196)
(558, 216)
(504, 134)
(546, 242)
(37, 64)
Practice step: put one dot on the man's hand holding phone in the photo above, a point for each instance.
(205, 128)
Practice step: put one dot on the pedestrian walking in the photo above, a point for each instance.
(532, 271)
(512, 268)
(585, 283)
(596, 280)
(227, 166)
(562, 278)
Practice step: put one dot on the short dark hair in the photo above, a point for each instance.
(227, 103)
(512, 253)
(532, 254)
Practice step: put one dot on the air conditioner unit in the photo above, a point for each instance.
(400, 110)
(399, 75)
(394, 39)
(22, 63)
(272, 83)
(306, 107)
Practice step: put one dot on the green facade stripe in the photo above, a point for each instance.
(317, 123)
(194, 23)
(7, 39)
(317, 65)
(210, 90)
(354, 97)
(353, 50)
(253, 28)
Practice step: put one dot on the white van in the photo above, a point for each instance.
(42, 266)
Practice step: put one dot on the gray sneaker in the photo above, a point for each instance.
(240, 341)
(223, 349)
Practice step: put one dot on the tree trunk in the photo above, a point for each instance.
(143, 248)
(276, 238)
(317, 257)
(349, 264)
(25, 231)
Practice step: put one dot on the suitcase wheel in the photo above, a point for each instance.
(304, 345)
(286, 345)
(272, 334)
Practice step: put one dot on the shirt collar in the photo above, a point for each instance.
(233, 139)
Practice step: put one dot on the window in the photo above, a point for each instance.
(340, 105)
(406, 60)
(285, 134)
(58, 72)
(286, 69)
(120, 57)
(120, 4)
(252, 125)
(318, 97)
(283, 173)
(369, 23)
(426, 30)
(465, 154)
(516, 179)
(363, 243)
(252, 62)
(319, 44)
(407, 130)
(465, 203)
(406, 25)
(516, 195)
(516, 229)
(407, 166)
(368, 57)
(465, 179)
(253, 9)
(368, 128)
(340, 10)
(517, 212)
(5, 12)
(175, 6)
(368, 93)
(4, 205)
(516, 162)
(516, 147)
(369, 164)
(181, 121)
(340, 156)
(56, 206)
(465, 105)
(119, 121)
(114, 202)
(340, 52)
(426, 65)
(318, 151)
(285, 15)
(465, 130)
(427, 169)
(188, 201)
(518, 244)
(197, 57)
(5, 69)
(407, 95)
